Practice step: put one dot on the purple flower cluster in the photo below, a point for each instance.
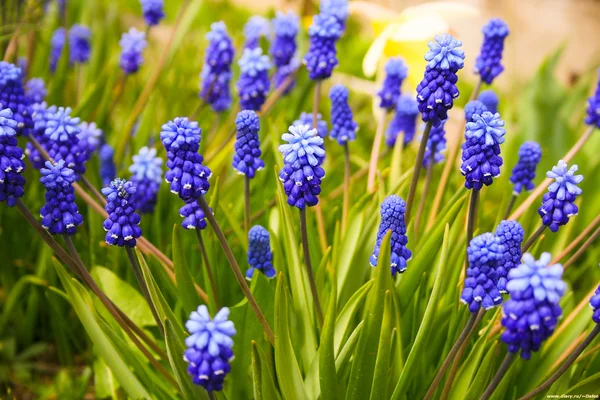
(60, 137)
(307, 119)
(146, 176)
(523, 174)
(283, 73)
(12, 95)
(558, 204)
(343, 126)
(108, 169)
(216, 73)
(256, 27)
(60, 215)
(532, 312)
(260, 256)
(246, 160)
(122, 225)
(35, 89)
(302, 173)
(490, 99)
(337, 8)
(405, 120)
(11, 160)
(90, 137)
(511, 235)
(392, 219)
(595, 304)
(57, 42)
(153, 11)
(283, 47)
(209, 347)
(254, 83)
(192, 214)
(436, 144)
(488, 65)
(132, 44)
(321, 58)
(395, 72)
(474, 107)
(593, 109)
(79, 44)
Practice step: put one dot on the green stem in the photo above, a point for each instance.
(308, 264)
(346, 199)
(416, 171)
(209, 270)
(426, 186)
(247, 203)
(532, 239)
(472, 215)
(506, 363)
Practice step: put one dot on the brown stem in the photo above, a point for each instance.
(577, 240)
(308, 264)
(506, 363)
(511, 203)
(582, 249)
(416, 171)
(532, 239)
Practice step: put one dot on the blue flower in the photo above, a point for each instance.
(593, 109)
(337, 8)
(181, 134)
(40, 110)
(392, 219)
(12, 95)
(209, 347)
(79, 44)
(90, 136)
(122, 225)
(307, 119)
(216, 73)
(132, 44)
(259, 252)
(511, 236)
(60, 215)
(57, 42)
(436, 94)
(485, 253)
(436, 144)
(487, 65)
(445, 54)
(395, 72)
(405, 120)
(60, 126)
(147, 176)
(256, 27)
(108, 169)
(474, 107)
(321, 58)
(8, 125)
(11, 160)
(254, 83)
(153, 11)
(283, 72)
(486, 128)
(343, 126)
(490, 99)
(523, 174)
(302, 172)
(283, 47)
(595, 304)
(246, 160)
(35, 89)
(558, 203)
(533, 310)
(192, 214)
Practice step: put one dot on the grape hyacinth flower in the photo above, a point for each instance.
(437, 90)
(283, 46)
(558, 204)
(395, 73)
(39, 127)
(523, 174)
(216, 73)
(89, 137)
(593, 109)
(436, 144)
(337, 8)
(302, 172)
(122, 225)
(57, 42)
(254, 83)
(147, 176)
(474, 107)
(108, 169)
(11, 160)
(282, 73)
(153, 11)
(307, 119)
(209, 347)
(481, 150)
(256, 27)
(511, 235)
(12, 95)
(490, 99)
(405, 120)
(35, 90)
(488, 65)
(60, 215)
(392, 219)
(321, 58)
(485, 253)
(343, 127)
(259, 252)
(246, 160)
(132, 45)
(595, 304)
(61, 139)
(532, 312)
(192, 214)
(79, 44)
(23, 64)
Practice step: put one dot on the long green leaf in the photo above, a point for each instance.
(262, 377)
(327, 373)
(384, 353)
(185, 284)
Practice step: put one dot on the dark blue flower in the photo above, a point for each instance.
(216, 73)
(487, 65)
(302, 172)
(259, 252)
(558, 203)
(485, 253)
(343, 126)
(474, 107)
(35, 89)
(11, 159)
(60, 215)
(146, 176)
(282, 73)
(283, 47)
(436, 144)
(256, 27)
(307, 119)
(445, 53)
(60, 138)
(108, 169)
(153, 11)
(337, 8)
(533, 310)
(181, 134)
(593, 109)
(132, 44)
(254, 83)
(490, 99)
(192, 214)
(511, 236)
(39, 127)
(79, 44)
(392, 219)
(12, 95)
(57, 42)
(321, 58)
(90, 137)
(246, 160)
(122, 225)
(595, 304)
(209, 347)
(523, 174)
(395, 72)
(405, 120)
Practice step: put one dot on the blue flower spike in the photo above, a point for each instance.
(246, 160)
(153, 11)
(343, 126)
(532, 312)
(12, 96)
(488, 65)
(122, 225)
(108, 169)
(523, 174)
(260, 256)
(283, 46)
(216, 72)
(474, 107)
(12, 165)
(436, 144)
(595, 304)
(558, 204)
(60, 215)
(35, 89)
(132, 44)
(79, 44)
(321, 58)
(307, 119)
(57, 42)
(209, 347)
(338, 8)
(192, 214)
(395, 73)
(511, 235)
(90, 136)
(254, 84)
(392, 219)
(405, 120)
(256, 27)
(490, 99)
(593, 108)
(146, 173)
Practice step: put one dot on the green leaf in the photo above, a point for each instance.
(15, 294)
(185, 284)
(343, 325)
(327, 372)
(484, 373)
(262, 377)
(384, 353)
(104, 380)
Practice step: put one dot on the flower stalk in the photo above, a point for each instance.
(309, 269)
(417, 170)
(346, 198)
(506, 363)
(532, 239)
